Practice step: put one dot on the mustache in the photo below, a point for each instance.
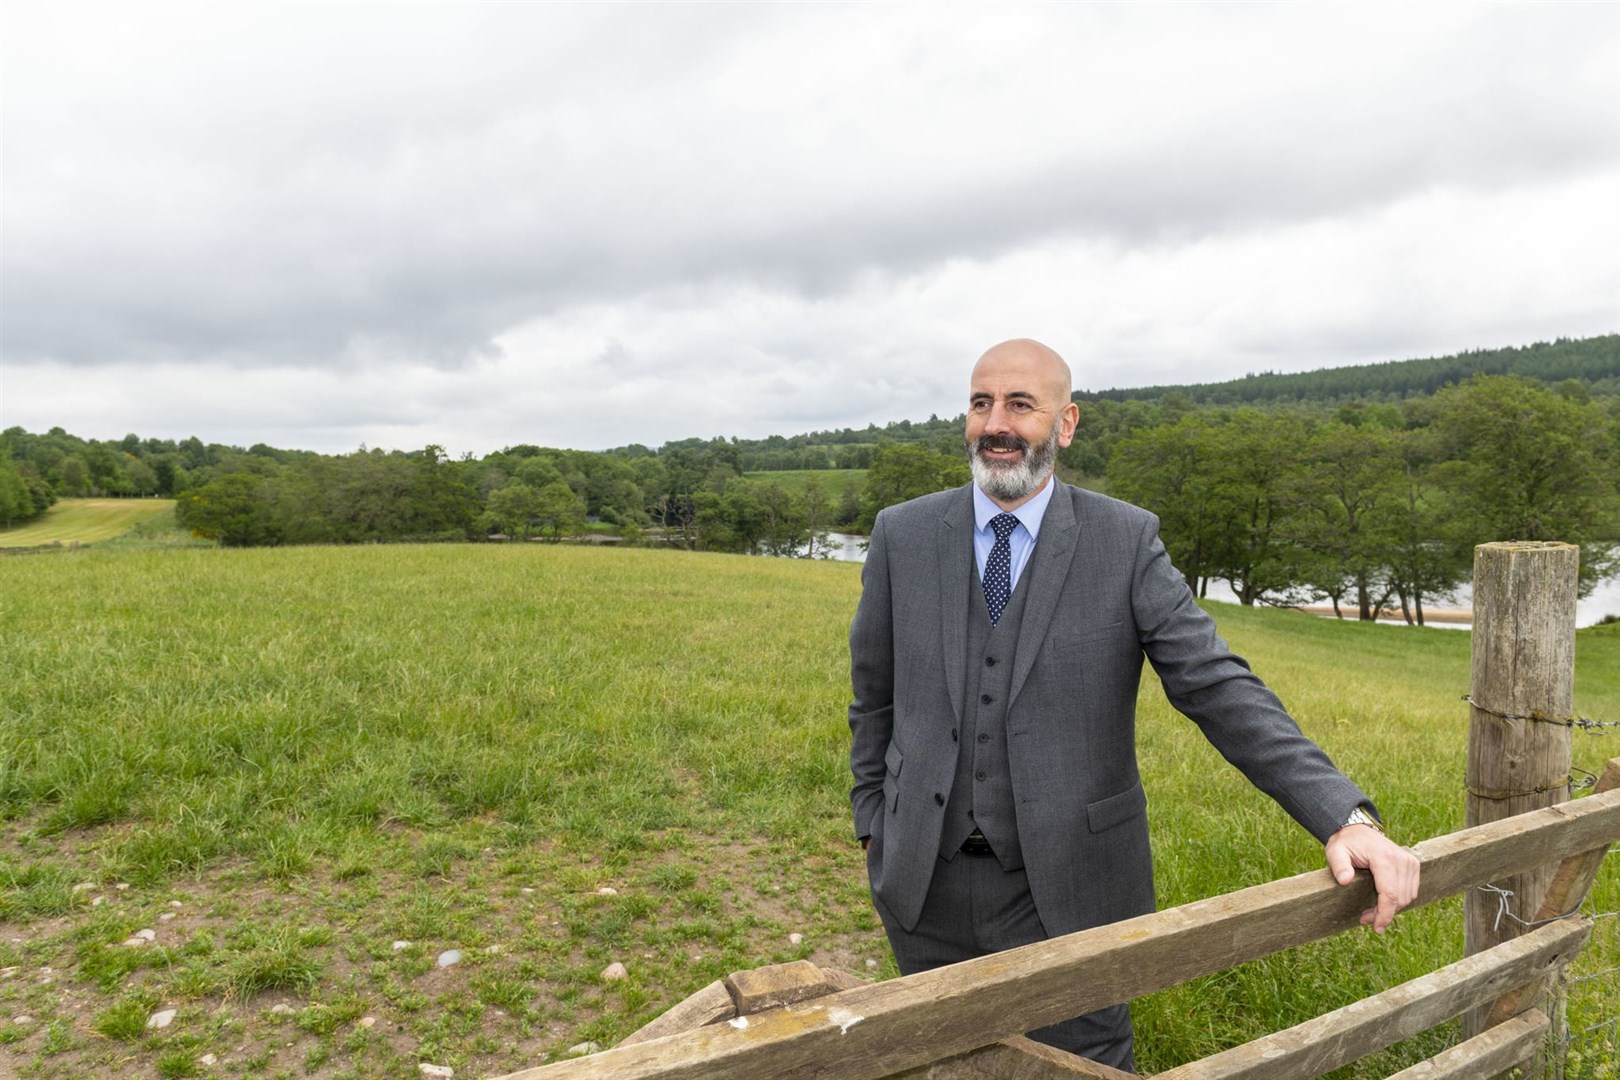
(1000, 442)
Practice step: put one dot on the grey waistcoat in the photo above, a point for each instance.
(981, 794)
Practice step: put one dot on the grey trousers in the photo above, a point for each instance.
(975, 908)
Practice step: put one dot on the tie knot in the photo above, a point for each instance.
(1003, 525)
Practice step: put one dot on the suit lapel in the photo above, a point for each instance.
(1047, 569)
(954, 549)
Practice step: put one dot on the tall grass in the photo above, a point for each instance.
(602, 690)
(463, 745)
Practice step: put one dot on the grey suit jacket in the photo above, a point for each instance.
(1102, 594)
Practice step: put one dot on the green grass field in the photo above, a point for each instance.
(833, 481)
(84, 521)
(312, 771)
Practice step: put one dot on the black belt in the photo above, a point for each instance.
(977, 846)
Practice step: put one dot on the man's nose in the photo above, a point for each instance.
(999, 421)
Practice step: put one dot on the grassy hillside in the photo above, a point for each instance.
(288, 762)
(84, 521)
(833, 481)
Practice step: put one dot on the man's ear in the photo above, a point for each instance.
(1068, 420)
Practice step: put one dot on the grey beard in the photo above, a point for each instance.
(1011, 482)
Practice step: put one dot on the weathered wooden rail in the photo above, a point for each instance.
(967, 1020)
(954, 1015)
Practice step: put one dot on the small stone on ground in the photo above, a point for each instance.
(161, 1019)
(614, 972)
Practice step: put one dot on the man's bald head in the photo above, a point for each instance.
(1040, 363)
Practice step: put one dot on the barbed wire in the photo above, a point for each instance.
(1608, 1031)
(1605, 973)
(1570, 781)
(1603, 1035)
(1586, 724)
(1599, 1036)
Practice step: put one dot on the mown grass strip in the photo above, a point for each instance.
(84, 521)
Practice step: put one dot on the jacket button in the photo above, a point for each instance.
(983, 737)
(989, 661)
(985, 699)
(938, 798)
(979, 775)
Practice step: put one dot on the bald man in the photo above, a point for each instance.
(995, 658)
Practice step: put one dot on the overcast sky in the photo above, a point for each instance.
(319, 226)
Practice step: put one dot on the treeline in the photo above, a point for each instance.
(1590, 367)
(848, 448)
(24, 495)
(690, 492)
(1374, 505)
(1377, 506)
(1593, 362)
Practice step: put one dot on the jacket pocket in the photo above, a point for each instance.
(892, 761)
(1104, 814)
(1059, 643)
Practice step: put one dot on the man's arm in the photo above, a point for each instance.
(1248, 725)
(871, 672)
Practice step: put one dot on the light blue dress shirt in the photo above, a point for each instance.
(1022, 540)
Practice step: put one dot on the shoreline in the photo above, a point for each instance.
(1450, 616)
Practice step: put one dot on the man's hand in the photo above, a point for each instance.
(1394, 870)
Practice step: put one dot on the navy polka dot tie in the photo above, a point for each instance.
(998, 567)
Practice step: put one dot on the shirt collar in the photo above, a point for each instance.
(1029, 514)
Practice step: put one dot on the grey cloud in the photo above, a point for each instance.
(369, 215)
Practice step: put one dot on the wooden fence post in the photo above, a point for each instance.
(1523, 674)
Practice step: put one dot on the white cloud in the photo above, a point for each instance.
(590, 225)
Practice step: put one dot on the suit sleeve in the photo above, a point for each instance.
(1237, 713)
(871, 670)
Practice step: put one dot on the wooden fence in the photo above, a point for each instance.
(967, 1020)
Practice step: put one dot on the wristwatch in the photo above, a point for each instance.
(1359, 816)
